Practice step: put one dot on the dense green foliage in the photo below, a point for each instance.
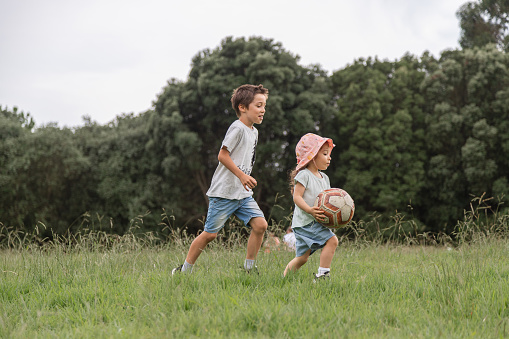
(484, 22)
(419, 136)
(426, 133)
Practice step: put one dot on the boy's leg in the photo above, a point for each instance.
(254, 243)
(219, 211)
(297, 262)
(328, 252)
(198, 245)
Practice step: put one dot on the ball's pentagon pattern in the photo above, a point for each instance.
(338, 207)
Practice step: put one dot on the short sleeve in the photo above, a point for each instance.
(232, 138)
(302, 178)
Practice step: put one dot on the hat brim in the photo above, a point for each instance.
(306, 159)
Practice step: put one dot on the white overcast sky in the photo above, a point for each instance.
(63, 59)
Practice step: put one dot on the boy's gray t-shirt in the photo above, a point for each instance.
(313, 187)
(240, 141)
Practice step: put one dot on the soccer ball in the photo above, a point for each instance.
(338, 206)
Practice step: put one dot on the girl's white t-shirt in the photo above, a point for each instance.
(314, 186)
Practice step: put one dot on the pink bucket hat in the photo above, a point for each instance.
(307, 148)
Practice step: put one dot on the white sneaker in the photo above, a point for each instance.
(324, 276)
(177, 269)
(254, 269)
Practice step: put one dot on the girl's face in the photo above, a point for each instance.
(322, 159)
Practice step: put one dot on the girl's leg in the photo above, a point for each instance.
(198, 245)
(258, 228)
(328, 252)
(297, 263)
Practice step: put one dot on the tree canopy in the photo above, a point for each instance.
(484, 22)
(420, 136)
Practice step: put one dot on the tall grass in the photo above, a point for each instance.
(375, 291)
(384, 284)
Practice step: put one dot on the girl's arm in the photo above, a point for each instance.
(298, 192)
(246, 180)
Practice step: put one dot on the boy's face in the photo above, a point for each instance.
(253, 114)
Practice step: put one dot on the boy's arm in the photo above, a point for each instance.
(246, 180)
(298, 192)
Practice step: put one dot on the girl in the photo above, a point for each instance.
(306, 182)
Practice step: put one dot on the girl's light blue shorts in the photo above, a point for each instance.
(313, 236)
(220, 209)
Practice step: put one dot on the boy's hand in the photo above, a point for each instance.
(248, 182)
(318, 214)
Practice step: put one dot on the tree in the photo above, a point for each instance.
(466, 106)
(484, 22)
(416, 131)
(299, 102)
(13, 128)
(40, 173)
(380, 155)
(20, 118)
(121, 181)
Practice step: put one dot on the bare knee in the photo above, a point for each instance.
(258, 225)
(208, 236)
(333, 242)
(302, 260)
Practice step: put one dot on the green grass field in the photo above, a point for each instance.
(376, 290)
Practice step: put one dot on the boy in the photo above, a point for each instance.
(230, 191)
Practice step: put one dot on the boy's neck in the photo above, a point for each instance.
(246, 121)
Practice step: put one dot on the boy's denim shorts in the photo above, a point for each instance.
(313, 236)
(220, 209)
